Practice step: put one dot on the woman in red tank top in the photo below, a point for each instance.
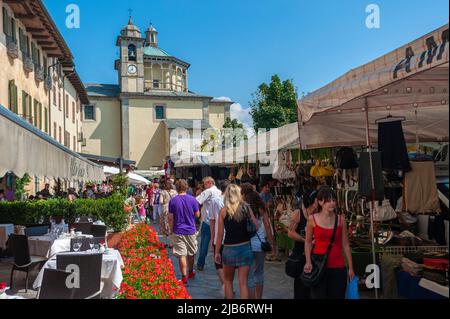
(319, 230)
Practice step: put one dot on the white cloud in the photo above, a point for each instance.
(243, 115)
(222, 99)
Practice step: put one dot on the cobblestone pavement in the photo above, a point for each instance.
(206, 284)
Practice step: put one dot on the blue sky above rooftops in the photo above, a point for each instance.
(233, 46)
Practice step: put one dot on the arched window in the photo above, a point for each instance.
(131, 52)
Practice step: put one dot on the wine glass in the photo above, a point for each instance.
(96, 248)
(91, 244)
(76, 246)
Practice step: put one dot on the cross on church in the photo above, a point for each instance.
(130, 11)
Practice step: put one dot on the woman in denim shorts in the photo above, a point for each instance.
(256, 275)
(237, 251)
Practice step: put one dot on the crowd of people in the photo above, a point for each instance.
(89, 191)
(223, 216)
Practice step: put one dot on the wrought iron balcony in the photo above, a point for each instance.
(39, 73)
(12, 47)
(28, 64)
(48, 82)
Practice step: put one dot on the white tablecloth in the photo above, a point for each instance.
(48, 245)
(5, 231)
(111, 275)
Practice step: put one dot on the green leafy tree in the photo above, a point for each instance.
(239, 127)
(274, 104)
(120, 184)
(19, 188)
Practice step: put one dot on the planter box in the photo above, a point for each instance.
(113, 240)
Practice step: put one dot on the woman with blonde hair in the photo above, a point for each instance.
(237, 250)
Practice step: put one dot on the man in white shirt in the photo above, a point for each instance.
(205, 199)
(216, 206)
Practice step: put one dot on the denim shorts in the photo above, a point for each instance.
(237, 256)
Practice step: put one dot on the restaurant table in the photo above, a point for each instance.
(4, 296)
(111, 274)
(49, 245)
(5, 231)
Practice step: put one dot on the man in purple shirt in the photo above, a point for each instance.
(183, 209)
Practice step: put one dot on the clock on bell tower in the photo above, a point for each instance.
(130, 67)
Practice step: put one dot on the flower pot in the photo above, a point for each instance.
(114, 239)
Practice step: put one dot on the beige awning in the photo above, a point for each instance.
(25, 149)
(411, 81)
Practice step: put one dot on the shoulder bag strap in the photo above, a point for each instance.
(334, 234)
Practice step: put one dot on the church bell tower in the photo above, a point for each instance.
(130, 67)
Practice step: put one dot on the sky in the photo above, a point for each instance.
(235, 45)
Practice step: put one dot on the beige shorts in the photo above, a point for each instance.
(184, 245)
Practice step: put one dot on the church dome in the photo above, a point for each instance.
(131, 30)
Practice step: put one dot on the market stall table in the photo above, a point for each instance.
(49, 245)
(111, 274)
(5, 231)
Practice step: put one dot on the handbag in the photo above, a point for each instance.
(250, 225)
(384, 212)
(319, 170)
(319, 263)
(265, 246)
(294, 265)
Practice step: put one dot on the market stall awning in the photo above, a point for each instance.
(133, 178)
(411, 81)
(136, 179)
(273, 140)
(25, 149)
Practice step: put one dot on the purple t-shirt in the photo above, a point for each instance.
(183, 208)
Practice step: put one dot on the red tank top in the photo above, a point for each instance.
(322, 238)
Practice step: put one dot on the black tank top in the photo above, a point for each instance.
(299, 247)
(235, 232)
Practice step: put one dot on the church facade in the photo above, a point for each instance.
(133, 120)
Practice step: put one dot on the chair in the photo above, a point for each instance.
(85, 242)
(99, 230)
(22, 259)
(86, 219)
(54, 285)
(85, 228)
(90, 266)
(37, 230)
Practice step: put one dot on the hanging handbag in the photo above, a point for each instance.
(294, 264)
(250, 225)
(319, 170)
(265, 246)
(319, 263)
(384, 212)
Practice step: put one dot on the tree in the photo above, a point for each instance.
(274, 104)
(238, 128)
(19, 188)
(217, 138)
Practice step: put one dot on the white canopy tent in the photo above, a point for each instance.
(136, 179)
(411, 81)
(133, 178)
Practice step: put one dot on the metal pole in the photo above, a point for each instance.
(372, 179)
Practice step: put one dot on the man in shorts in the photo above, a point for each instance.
(216, 206)
(183, 209)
